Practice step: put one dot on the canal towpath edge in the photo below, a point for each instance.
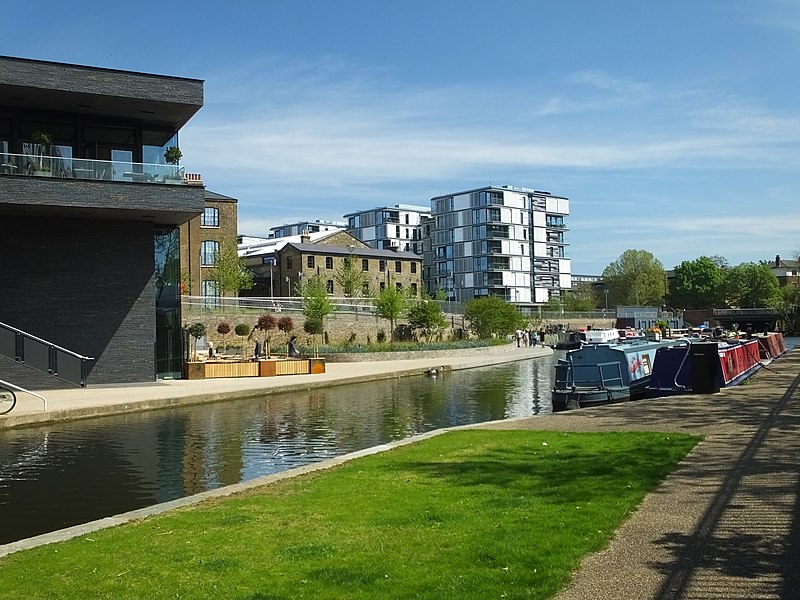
(104, 400)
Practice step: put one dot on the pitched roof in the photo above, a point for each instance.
(344, 251)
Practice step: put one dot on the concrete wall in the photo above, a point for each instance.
(86, 285)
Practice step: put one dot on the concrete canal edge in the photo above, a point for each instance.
(99, 401)
(142, 514)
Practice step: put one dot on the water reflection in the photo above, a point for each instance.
(69, 473)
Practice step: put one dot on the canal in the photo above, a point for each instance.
(64, 474)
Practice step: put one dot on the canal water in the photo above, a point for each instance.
(64, 474)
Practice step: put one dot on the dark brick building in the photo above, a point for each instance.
(90, 211)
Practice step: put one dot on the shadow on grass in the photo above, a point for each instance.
(560, 467)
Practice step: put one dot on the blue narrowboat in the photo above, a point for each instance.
(599, 374)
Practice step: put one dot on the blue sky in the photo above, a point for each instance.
(673, 127)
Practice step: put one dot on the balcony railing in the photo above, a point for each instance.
(98, 170)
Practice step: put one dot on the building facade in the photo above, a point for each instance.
(503, 241)
(202, 238)
(302, 227)
(282, 268)
(90, 210)
(387, 228)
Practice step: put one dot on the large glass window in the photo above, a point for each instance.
(155, 143)
(208, 253)
(210, 217)
(169, 340)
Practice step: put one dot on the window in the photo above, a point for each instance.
(382, 266)
(210, 217)
(398, 266)
(397, 231)
(365, 289)
(330, 286)
(289, 263)
(365, 264)
(413, 268)
(209, 289)
(329, 262)
(399, 286)
(383, 285)
(414, 289)
(208, 253)
(310, 262)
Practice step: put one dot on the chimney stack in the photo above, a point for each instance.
(304, 237)
(777, 260)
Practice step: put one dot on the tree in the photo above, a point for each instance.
(242, 329)
(286, 325)
(749, 285)
(425, 316)
(351, 278)
(698, 284)
(196, 331)
(316, 303)
(224, 329)
(636, 278)
(229, 271)
(265, 324)
(492, 317)
(580, 298)
(788, 309)
(390, 303)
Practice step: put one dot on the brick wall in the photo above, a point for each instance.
(86, 285)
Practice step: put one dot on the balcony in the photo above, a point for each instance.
(57, 187)
(95, 170)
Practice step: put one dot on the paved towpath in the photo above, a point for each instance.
(97, 400)
(726, 525)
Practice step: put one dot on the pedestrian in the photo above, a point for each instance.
(519, 337)
(258, 349)
(210, 349)
(293, 351)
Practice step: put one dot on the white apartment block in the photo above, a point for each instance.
(386, 228)
(504, 241)
(302, 227)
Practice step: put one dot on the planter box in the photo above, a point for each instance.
(261, 368)
(292, 366)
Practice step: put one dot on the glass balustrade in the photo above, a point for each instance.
(84, 168)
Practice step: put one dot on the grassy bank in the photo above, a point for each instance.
(468, 514)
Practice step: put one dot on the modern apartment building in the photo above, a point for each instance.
(90, 210)
(504, 241)
(302, 227)
(387, 228)
(202, 238)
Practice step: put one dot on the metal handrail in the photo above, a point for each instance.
(21, 389)
(79, 362)
(572, 367)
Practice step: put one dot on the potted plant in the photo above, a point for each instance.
(42, 141)
(172, 156)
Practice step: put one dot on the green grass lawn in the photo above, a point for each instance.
(466, 515)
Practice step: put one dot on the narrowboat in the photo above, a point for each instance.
(603, 373)
(705, 366)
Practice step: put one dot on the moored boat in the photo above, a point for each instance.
(603, 373)
(706, 366)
